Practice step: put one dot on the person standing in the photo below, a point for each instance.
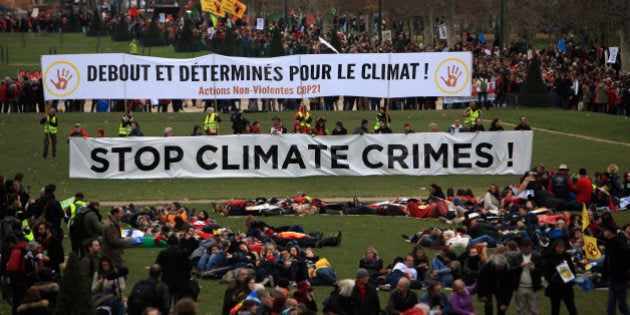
(150, 292)
(616, 266)
(48, 209)
(558, 290)
(471, 114)
(50, 123)
(125, 124)
(211, 123)
(89, 261)
(495, 280)
(382, 116)
(364, 299)
(527, 268)
(176, 269)
(113, 243)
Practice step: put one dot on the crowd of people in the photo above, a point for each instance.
(273, 269)
(577, 74)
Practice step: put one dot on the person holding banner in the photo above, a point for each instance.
(616, 267)
(559, 271)
(382, 115)
(125, 124)
(50, 132)
(211, 123)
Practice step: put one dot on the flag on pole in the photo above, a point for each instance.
(323, 41)
(590, 248)
(585, 220)
(562, 46)
(482, 38)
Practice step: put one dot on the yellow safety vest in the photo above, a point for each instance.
(26, 228)
(125, 130)
(76, 206)
(210, 123)
(303, 120)
(472, 117)
(48, 127)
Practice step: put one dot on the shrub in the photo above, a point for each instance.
(187, 41)
(121, 31)
(74, 294)
(153, 37)
(96, 25)
(534, 92)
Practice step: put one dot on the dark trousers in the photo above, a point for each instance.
(52, 138)
(569, 302)
(617, 295)
(488, 306)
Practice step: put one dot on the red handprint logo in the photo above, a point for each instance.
(62, 79)
(452, 75)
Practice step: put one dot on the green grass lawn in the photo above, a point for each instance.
(21, 138)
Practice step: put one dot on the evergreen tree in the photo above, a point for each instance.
(153, 36)
(400, 47)
(334, 40)
(276, 49)
(121, 31)
(187, 41)
(72, 23)
(228, 45)
(74, 293)
(96, 25)
(534, 92)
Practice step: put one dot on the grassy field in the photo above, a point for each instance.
(21, 138)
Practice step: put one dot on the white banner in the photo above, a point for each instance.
(265, 156)
(122, 76)
(613, 54)
(442, 31)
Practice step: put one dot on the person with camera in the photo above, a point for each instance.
(108, 283)
(527, 268)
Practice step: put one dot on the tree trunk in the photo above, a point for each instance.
(624, 50)
(428, 28)
(450, 25)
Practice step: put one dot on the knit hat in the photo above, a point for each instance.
(362, 273)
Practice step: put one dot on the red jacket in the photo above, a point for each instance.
(16, 260)
(584, 189)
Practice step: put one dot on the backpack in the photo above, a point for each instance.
(77, 229)
(108, 304)
(142, 295)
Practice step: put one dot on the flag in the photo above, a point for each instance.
(323, 41)
(590, 248)
(239, 9)
(228, 6)
(585, 283)
(562, 47)
(585, 220)
(482, 38)
(612, 205)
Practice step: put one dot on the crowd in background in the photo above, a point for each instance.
(576, 73)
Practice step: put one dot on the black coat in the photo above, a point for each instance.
(368, 306)
(536, 274)
(557, 288)
(175, 267)
(499, 283)
(616, 264)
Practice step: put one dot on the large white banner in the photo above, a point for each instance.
(246, 156)
(122, 76)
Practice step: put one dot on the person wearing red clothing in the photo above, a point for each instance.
(583, 187)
